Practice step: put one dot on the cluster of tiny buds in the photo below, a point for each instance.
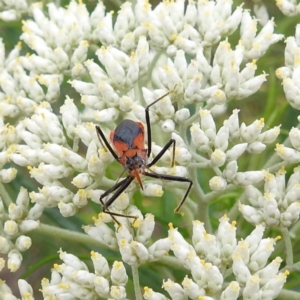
(210, 254)
(131, 237)
(214, 144)
(206, 258)
(20, 219)
(290, 73)
(279, 205)
(61, 41)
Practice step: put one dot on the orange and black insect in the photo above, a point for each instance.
(129, 143)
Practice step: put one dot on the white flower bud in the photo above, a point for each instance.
(102, 233)
(70, 117)
(118, 292)
(226, 237)
(254, 238)
(218, 97)
(251, 86)
(291, 215)
(182, 115)
(14, 260)
(233, 124)
(31, 139)
(80, 198)
(152, 190)
(251, 132)
(11, 227)
(183, 156)
(127, 253)
(236, 151)
(289, 155)
(26, 105)
(222, 138)
(122, 202)
(174, 290)
(261, 255)
(199, 139)
(230, 171)
(158, 249)
(251, 214)
(82, 180)
(72, 261)
(140, 251)
(106, 115)
(28, 225)
(256, 147)
(269, 271)
(84, 88)
(274, 286)
(250, 177)
(7, 175)
(100, 263)
(102, 286)
(61, 58)
(133, 71)
(5, 245)
(126, 103)
(240, 270)
(271, 213)
(23, 243)
(192, 289)
(118, 274)
(208, 124)
(218, 158)
(168, 126)
(149, 294)
(26, 290)
(145, 229)
(217, 183)
(67, 209)
(15, 212)
(231, 292)
(80, 53)
(114, 69)
(251, 288)
(214, 277)
(294, 135)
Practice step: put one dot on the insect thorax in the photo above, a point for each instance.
(136, 162)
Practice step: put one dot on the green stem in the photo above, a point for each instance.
(291, 295)
(288, 246)
(203, 214)
(68, 235)
(136, 283)
(4, 195)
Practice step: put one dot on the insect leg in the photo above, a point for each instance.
(174, 178)
(102, 137)
(147, 117)
(162, 152)
(120, 187)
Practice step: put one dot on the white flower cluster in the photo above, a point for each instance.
(210, 255)
(20, 219)
(11, 10)
(25, 289)
(288, 7)
(72, 279)
(214, 144)
(289, 74)
(130, 238)
(279, 206)
(118, 65)
(209, 259)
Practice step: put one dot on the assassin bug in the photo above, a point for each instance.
(128, 141)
